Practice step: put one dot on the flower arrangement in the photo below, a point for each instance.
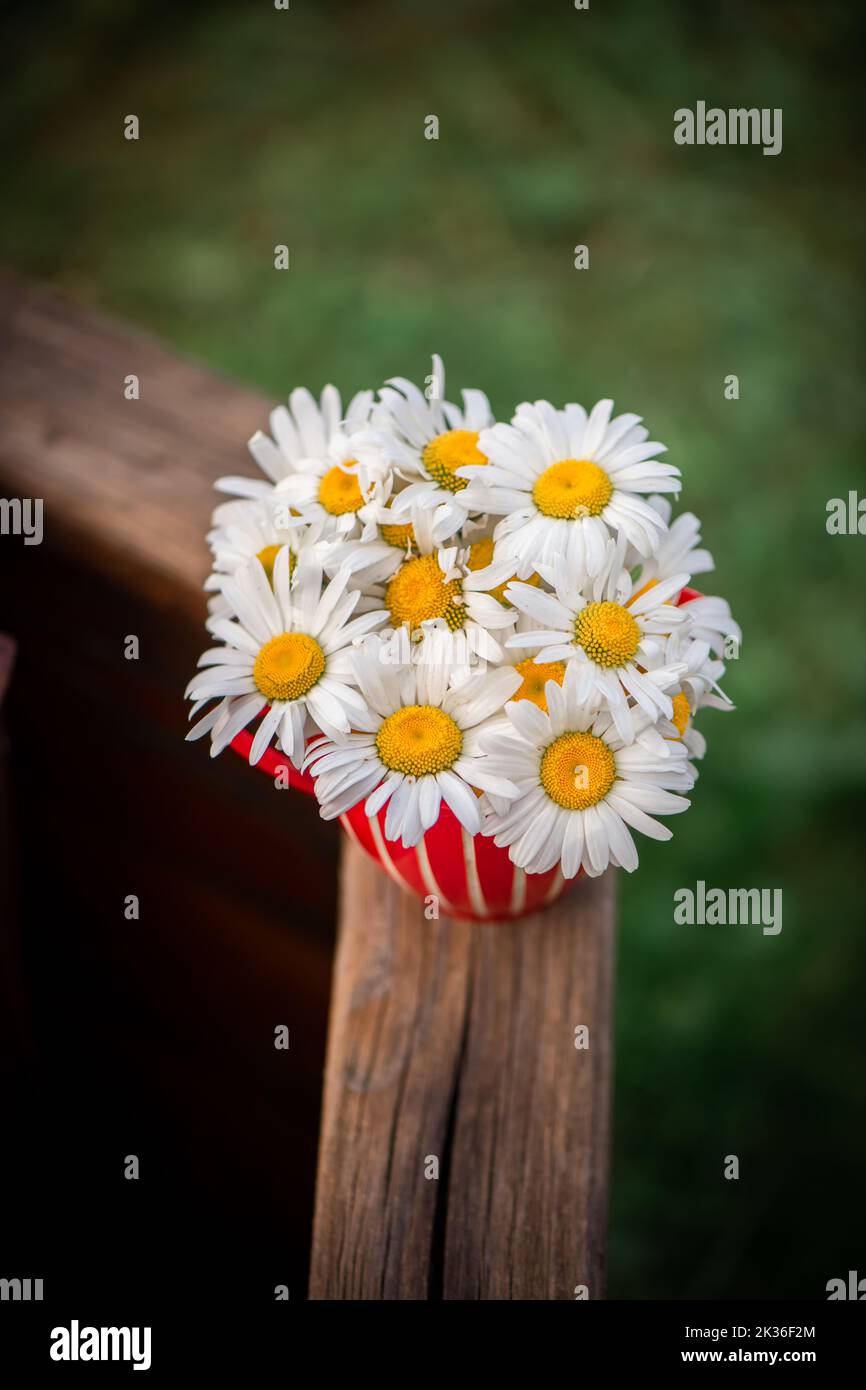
(474, 640)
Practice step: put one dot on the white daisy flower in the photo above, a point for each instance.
(697, 688)
(433, 439)
(286, 651)
(579, 787)
(417, 745)
(386, 541)
(446, 592)
(245, 530)
(679, 548)
(611, 638)
(484, 555)
(565, 481)
(534, 674)
(712, 622)
(390, 545)
(319, 465)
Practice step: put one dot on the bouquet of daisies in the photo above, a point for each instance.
(433, 614)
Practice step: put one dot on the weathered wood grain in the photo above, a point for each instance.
(455, 1041)
(527, 1190)
(127, 484)
(394, 1045)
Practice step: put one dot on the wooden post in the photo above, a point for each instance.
(455, 1042)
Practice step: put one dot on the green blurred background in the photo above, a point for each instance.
(305, 127)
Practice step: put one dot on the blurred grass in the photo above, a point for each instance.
(305, 127)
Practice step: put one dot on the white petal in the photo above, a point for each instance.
(462, 801)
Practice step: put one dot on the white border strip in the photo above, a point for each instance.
(555, 888)
(387, 862)
(518, 890)
(473, 882)
(429, 878)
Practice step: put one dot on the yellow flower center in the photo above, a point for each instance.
(419, 591)
(481, 555)
(607, 632)
(401, 537)
(572, 488)
(419, 739)
(535, 676)
(268, 554)
(449, 451)
(340, 492)
(288, 666)
(577, 771)
(682, 711)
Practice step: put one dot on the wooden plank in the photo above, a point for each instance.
(455, 1041)
(127, 484)
(394, 1043)
(527, 1189)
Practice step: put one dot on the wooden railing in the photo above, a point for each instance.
(455, 1041)
(464, 1137)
